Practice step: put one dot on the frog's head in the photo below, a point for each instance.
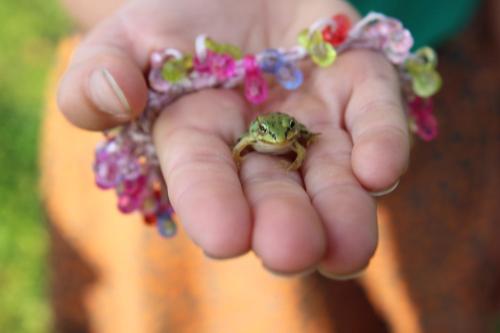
(274, 128)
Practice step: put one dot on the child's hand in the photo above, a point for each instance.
(322, 217)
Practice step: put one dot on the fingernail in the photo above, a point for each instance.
(107, 94)
(293, 274)
(385, 192)
(340, 277)
(211, 256)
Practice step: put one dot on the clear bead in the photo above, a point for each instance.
(166, 227)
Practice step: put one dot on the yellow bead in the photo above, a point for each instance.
(426, 83)
(425, 59)
(322, 53)
(188, 62)
(303, 38)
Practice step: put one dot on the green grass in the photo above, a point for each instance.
(29, 31)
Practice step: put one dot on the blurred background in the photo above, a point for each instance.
(437, 269)
(29, 33)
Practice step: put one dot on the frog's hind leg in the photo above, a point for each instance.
(240, 146)
(301, 155)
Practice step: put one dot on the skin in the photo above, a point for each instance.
(320, 217)
(275, 133)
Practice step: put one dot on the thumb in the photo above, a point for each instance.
(104, 84)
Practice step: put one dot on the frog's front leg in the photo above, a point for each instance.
(301, 155)
(240, 146)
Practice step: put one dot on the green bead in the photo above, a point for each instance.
(322, 53)
(232, 50)
(174, 71)
(229, 49)
(427, 83)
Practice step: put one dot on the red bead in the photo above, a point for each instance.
(338, 36)
(150, 219)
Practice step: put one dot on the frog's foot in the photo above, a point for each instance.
(238, 149)
(301, 155)
(311, 138)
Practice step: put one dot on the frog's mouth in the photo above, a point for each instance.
(273, 147)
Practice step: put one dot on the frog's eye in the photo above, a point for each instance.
(292, 123)
(262, 128)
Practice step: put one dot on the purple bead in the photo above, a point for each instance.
(289, 76)
(130, 167)
(106, 175)
(106, 168)
(271, 60)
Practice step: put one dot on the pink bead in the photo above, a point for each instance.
(134, 186)
(203, 66)
(127, 203)
(256, 88)
(222, 66)
(421, 110)
(250, 64)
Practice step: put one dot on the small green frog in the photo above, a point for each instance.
(275, 133)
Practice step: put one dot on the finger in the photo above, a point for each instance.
(193, 138)
(345, 209)
(287, 233)
(376, 121)
(104, 84)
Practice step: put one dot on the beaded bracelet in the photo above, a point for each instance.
(127, 161)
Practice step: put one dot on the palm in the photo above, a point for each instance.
(322, 215)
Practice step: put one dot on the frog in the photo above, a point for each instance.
(276, 133)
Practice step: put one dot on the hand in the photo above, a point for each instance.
(322, 217)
